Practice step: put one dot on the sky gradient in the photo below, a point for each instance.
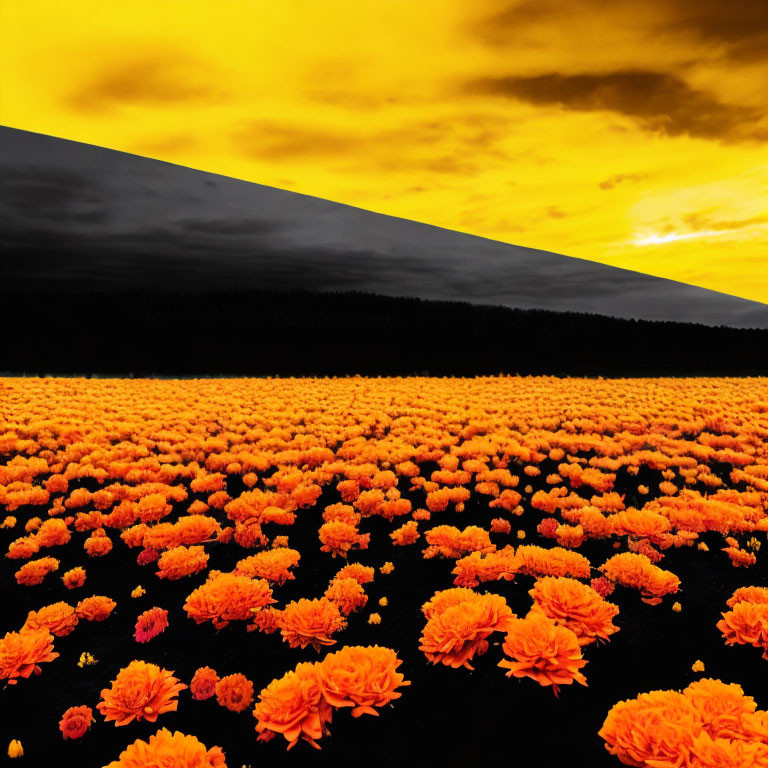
(633, 133)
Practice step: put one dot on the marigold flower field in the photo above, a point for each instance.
(549, 571)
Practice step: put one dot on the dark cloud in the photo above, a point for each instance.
(620, 178)
(149, 78)
(166, 227)
(657, 101)
(738, 27)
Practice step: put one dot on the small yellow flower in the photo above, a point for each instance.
(383, 602)
(698, 666)
(374, 618)
(521, 534)
(139, 592)
(387, 567)
(676, 607)
(15, 749)
(86, 660)
(703, 547)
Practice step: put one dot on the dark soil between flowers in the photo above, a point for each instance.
(446, 717)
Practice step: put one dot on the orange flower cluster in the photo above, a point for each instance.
(477, 567)
(406, 534)
(203, 683)
(300, 704)
(459, 623)
(273, 565)
(140, 691)
(448, 541)
(95, 608)
(576, 606)
(537, 561)
(226, 597)
(176, 750)
(35, 571)
(339, 538)
(74, 578)
(710, 724)
(636, 571)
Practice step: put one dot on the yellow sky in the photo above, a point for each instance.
(632, 133)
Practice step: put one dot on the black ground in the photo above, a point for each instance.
(445, 717)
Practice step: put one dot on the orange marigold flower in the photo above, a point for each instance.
(15, 749)
(98, 544)
(739, 558)
(539, 648)
(73, 578)
(226, 597)
(492, 566)
(721, 706)
(602, 586)
(362, 574)
(150, 624)
(697, 666)
(576, 606)
(360, 677)
(748, 595)
(235, 692)
(59, 619)
(405, 534)
(746, 624)
(310, 622)
(339, 538)
(35, 571)
(457, 631)
(387, 568)
(273, 565)
(22, 653)
(658, 726)
(138, 591)
(140, 691)
(348, 594)
(500, 525)
(637, 571)
(203, 684)
(75, 722)
(181, 561)
(294, 706)
(175, 750)
(95, 608)
(23, 548)
(374, 618)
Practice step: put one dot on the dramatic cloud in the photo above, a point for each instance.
(657, 101)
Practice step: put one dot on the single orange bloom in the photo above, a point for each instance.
(75, 722)
(576, 606)
(181, 561)
(310, 622)
(294, 706)
(95, 608)
(35, 571)
(140, 691)
(74, 578)
(59, 619)
(539, 648)
(176, 750)
(22, 653)
(722, 707)
(235, 692)
(360, 677)
(659, 726)
(227, 597)
(746, 624)
(150, 624)
(456, 632)
(203, 684)
(362, 574)
(347, 594)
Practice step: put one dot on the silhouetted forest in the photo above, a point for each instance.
(255, 333)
